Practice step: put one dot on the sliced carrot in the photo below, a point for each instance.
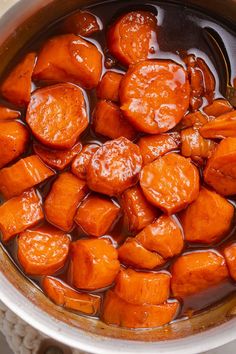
(69, 58)
(218, 107)
(94, 264)
(63, 199)
(195, 119)
(154, 95)
(171, 182)
(8, 113)
(114, 167)
(14, 138)
(96, 215)
(142, 287)
(133, 37)
(208, 219)
(24, 174)
(138, 213)
(197, 271)
(80, 163)
(108, 88)
(108, 120)
(43, 250)
(119, 312)
(58, 159)
(220, 171)
(63, 295)
(209, 80)
(134, 254)
(223, 126)
(17, 86)
(57, 115)
(230, 257)
(163, 236)
(81, 23)
(19, 213)
(153, 146)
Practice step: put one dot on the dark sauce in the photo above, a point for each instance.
(181, 30)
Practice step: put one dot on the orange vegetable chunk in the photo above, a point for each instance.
(230, 257)
(94, 264)
(197, 271)
(195, 119)
(80, 163)
(171, 182)
(24, 174)
(43, 250)
(19, 213)
(218, 107)
(8, 113)
(208, 219)
(154, 95)
(57, 115)
(76, 60)
(14, 138)
(108, 87)
(81, 23)
(16, 88)
(222, 126)
(63, 199)
(114, 167)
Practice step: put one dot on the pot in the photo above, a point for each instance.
(210, 329)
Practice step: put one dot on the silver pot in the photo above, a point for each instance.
(208, 330)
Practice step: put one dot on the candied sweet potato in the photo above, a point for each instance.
(223, 126)
(108, 87)
(81, 23)
(194, 119)
(230, 257)
(8, 113)
(81, 161)
(218, 107)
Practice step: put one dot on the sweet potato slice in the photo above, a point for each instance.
(16, 88)
(57, 115)
(14, 138)
(134, 254)
(114, 167)
(230, 257)
(24, 174)
(108, 120)
(63, 295)
(151, 147)
(197, 271)
(63, 199)
(8, 113)
(195, 119)
(57, 159)
(82, 23)
(142, 287)
(19, 213)
(133, 37)
(218, 107)
(119, 312)
(69, 58)
(223, 126)
(154, 95)
(208, 219)
(80, 163)
(94, 264)
(171, 182)
(220, 171)
(96, 215)
(43, 250)
(163, 236)
(138, 213)
(108, 87)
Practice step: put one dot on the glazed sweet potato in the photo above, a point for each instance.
(197, 271)
(230, 257)
(151, 147)
(63, 199)
(114, 167)
(138, 213)
(24, 174)
(57, 115)
(43, 250)
(14, 138)
(19, 213)
(149, 101)
(223, 126)
(81, 23)
(63, 295)
(108, 87)
(163, 236)
(220, 171)
(108, 120)
(171, 182)
(133, 37)
(8, 113)
(121, 313)
(96, 215)
(208, 219)
(80, 163)
(218, 107)
(94, 264)
(69, 58)
(195, 119)
(142, 287)
(16, 88)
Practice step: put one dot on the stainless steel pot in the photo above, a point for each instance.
(210, 329)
